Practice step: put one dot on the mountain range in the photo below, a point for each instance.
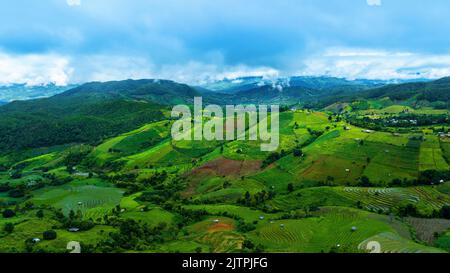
(25, 92)
(94, 111)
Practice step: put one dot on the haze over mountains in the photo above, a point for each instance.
(24, 92)
(240, 85)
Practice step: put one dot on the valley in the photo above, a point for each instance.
(97, 165)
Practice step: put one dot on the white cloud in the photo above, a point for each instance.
(106, 68)
(374, 2)
(351, 63)
(34, 69)
(73, 2)
(376, 64)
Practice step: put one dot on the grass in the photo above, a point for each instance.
(431, 155)
(152, 217)
(90, 237)
(80, 195)
(331, 227)
(444, 241)
(218, 233)
(320, 217)
(392, 243)
(249, 215)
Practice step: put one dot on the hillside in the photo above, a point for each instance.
(433, 91)
(293, 90)
(156, 91)
(329, 188)
(435, 94)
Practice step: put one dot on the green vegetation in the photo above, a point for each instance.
(104, 172)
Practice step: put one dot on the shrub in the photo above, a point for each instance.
(8, 228)
(8, 213)
(445, 212)
(298, 152)
(40, 214)
(49, 235)
(290, 187)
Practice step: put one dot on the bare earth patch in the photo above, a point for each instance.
(220, 167)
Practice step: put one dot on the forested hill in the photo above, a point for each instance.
(94, 111)
(157, 91)
(429, 93)
(433, 91)
(88, 113)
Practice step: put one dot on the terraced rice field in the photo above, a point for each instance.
(152, 217)
(249, 215)
(218, 233)
(392, 243)
(379, 199)
(79, 196)
(332, 227)
(431, 155)
(384, 199)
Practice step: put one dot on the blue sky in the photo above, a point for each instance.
(192, 41)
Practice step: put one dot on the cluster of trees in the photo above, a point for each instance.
(164, 192)
(426, 178)
(57, 181)
(50, 125)
(74, 220)
(133, 235)
(249, 247)
(156, 179)
(398, 121)
(275, 156)
(411, 210)
(8, 213)
(257, 199)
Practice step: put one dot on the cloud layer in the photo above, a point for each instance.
(73, 2)
(193, 41)
(374, 2)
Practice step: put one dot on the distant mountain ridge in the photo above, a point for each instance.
(438, 90)
(311, 82)
(88, 113)
(94, 111)
(431, 93)
(24, 92)
(158, 91)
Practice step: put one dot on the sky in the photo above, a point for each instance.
(197, 41)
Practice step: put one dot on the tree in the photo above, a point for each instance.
(248, 244)
(16, 193)
(290, 187)
(8, 213)
(365, 182)
(396, 182)
(40, 214)
(298, 152)
(49, 235)
(408, 210)
(16, 175)
(445, 212)
(8, 228)
(247, 195)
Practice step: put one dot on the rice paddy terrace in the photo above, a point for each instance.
(348, 186)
